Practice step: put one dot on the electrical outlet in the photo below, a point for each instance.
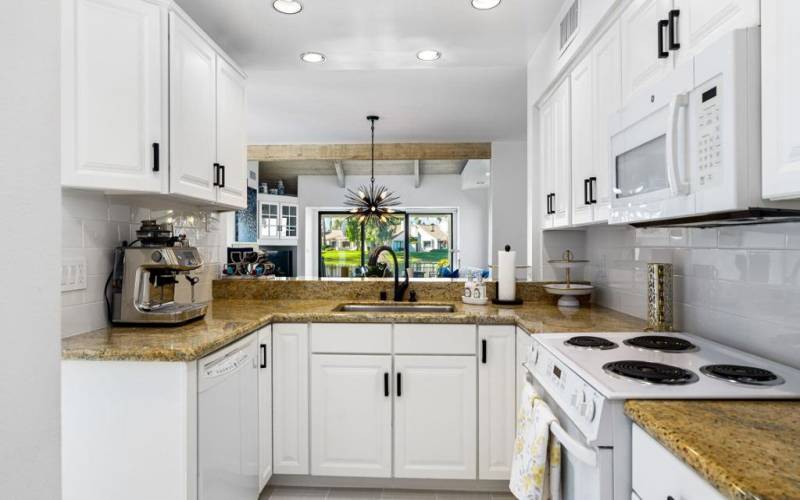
(73, 274)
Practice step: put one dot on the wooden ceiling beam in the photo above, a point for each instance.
(398, 151)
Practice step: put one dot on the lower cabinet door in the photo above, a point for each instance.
(435, 417)
(290, 398)
(264, 406)
(496, 388)
(351, 415)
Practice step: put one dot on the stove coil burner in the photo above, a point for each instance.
(650, 373)
(738, 374)
(589, 342)
(661, 343)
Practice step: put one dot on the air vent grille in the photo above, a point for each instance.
(569, 25)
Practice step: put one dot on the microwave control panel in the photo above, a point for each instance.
(709, 150)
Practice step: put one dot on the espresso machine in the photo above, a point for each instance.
(145, 274)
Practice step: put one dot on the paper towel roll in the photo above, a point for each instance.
(506, 279)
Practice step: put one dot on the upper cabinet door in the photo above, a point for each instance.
(582, 150)
(231, 136)
(701, 23)
(641, 64)
(546, 150)
(607, 100)
(780, 51)
(113, 84)
(562, 135)
(193, 133)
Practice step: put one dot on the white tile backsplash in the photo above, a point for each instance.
(93, 224)
(737, 285)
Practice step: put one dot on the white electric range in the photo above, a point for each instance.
(586, 379)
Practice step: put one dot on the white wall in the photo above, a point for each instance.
(508, 199)
(93, 224)
(30, 358)
(320, 191)
(739, 286)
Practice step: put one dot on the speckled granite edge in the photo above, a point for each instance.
(229, 320)
(746, 449)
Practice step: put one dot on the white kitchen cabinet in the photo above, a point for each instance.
(658, 474)
(193, 127)
(607, 100)
(496, 396)
(596, 95)
(555, 156)
(277, 216)
(231, 136)
(524, 346)
(435, 417)
(701, 23)
(780, 102)
(582, 118)
(351, 415)
(290, 398)
(264, 407)
(114, 84)
(642, 61)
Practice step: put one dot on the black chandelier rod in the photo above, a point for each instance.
(372, 119)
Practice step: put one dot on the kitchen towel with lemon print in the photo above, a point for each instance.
(536, 467)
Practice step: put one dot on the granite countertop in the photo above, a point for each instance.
(230, 319)
(746, 449)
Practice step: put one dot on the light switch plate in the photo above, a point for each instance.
(73, 274)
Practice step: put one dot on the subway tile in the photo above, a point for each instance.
(75, 319)
(678, 237)
(139, 214)
(71, 232)
(84, 205)
(764, 236)
(119, 213)
(791, 268)
(766, 266)
(100, 234)
(702, 238)
(72, 298)
(652, 237)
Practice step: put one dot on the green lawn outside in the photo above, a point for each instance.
(353, 257)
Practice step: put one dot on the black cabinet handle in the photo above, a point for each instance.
(156, 160)
(483, 351)
(216, 174)
(592, 184)
(586, 199)
(263, 355)
(549, 210)
(553, 203)
(222, 182)
(547, 204)
(662, 24)
(674, 14)
(399, 385)
(386, 384)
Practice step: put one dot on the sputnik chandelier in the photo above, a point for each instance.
(371, 203)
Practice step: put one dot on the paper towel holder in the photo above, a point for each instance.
(514, 302)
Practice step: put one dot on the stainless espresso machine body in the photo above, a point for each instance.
(144, 279)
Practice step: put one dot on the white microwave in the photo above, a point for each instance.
(691, 145)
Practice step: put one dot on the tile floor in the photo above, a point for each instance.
(285, 493)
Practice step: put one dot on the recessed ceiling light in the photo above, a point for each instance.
(313, 57)
(287, 6)
(485, 4)
(428, 55)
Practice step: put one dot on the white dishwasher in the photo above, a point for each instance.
(227, 422)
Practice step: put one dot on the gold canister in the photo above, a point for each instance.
(659, 297)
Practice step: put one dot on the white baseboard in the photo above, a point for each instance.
(393, 483)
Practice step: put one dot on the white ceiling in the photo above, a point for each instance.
(476, 92)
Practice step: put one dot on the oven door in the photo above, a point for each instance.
(587, 472)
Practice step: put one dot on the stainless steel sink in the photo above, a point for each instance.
(397, 308)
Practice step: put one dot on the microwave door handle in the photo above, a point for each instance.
(676, 182)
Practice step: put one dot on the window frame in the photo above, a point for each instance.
(407, 214)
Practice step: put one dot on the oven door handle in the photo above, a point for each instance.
(677, 184)
(573, 446)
